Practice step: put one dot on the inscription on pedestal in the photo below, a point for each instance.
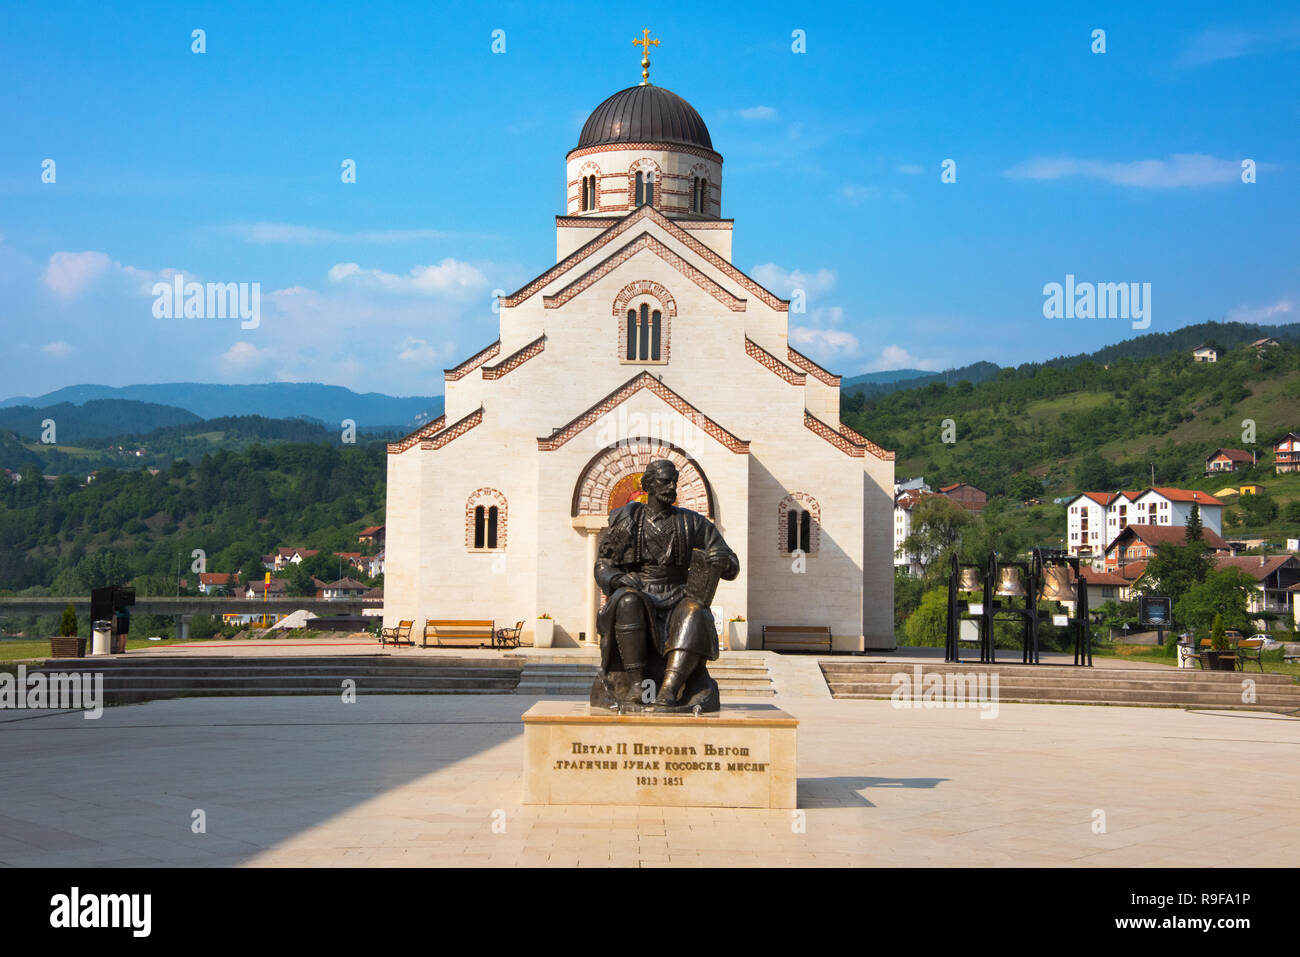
(742, 756)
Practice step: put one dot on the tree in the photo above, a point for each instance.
(928, 625)
(1224, 594)
(68, 624)
(937, 524)
(1175, 570)
(1194, 532)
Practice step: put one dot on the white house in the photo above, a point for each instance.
(1094, 519)
(1203, 353)
(1173, 506)
(643, 341)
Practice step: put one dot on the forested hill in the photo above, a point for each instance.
(131, 526)
(1045, 430)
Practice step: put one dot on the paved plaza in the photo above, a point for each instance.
(436, 781)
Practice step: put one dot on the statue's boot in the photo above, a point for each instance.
(631, 640)
(681, 664)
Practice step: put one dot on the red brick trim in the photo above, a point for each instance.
(841, 442)
(705, 223)
(589, 222)
(423, 432)
(597, 481)
(806, 503)
(644, 212)
(487, 497)
(769, 361)
(853, 436)
(472, 363)
(515, 359)
(647, 242)
(643, 380)
(455, 431)
(807, 365)
(658, 147)
(644, 287)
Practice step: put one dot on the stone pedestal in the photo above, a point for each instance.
(741, 756)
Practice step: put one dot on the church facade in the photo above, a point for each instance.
(643, 341)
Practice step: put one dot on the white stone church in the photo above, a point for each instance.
(643, 341)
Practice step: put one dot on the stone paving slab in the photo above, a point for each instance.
(437, 781)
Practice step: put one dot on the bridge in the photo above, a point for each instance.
(182, 609)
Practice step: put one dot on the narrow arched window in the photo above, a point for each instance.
(591, 191)
(640, 188)
(704, 194)
(480, 526)
(491, 526)
(650, 188)
(792, 530)
(655, 323)
(631, 333)
(582, 196)
(644, 351)
(805, 530)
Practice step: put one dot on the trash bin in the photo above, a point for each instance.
(103, 632)
(1185, 659)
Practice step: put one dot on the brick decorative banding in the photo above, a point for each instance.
(807, 365)
(651, 147)
(515, 359)
(805, 503)
(472, 363)
(769, 361)
(487, 497)
(598, 479)
(454, 431)
(841, 442)
(423, 432)
(643, 380)
(883, 454)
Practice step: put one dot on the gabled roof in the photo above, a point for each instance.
(1185, 495)
(1253, 566)
(625, 224)
(1236, 455)
(643, 380)
(1156, 535)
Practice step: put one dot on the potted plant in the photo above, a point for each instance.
(68, 645)
(1221, 655)
(737, 633)
(544, 632)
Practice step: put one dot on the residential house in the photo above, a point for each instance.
(966, 495)
(279, 559)
(278, 589)
(354, 559)
(375, 565)
(1204, 353)
(1259, 345)
(1286, 453)
(910, 485)
(1228, 460)
(1275, 575)
(374, 533)
(903, 506)
(1086, 532)
(343, 589)
(1141, 542)
(217, 583)
(1173, 506)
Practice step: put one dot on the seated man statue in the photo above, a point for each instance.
(655, 624)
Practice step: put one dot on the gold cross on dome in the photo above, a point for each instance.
(645, 43)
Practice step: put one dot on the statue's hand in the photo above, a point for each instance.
(719, 555)
(628, 580)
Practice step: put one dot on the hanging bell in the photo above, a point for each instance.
(969, 580)
(1010, 582)
(1057, 585)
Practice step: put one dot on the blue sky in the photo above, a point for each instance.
(1121, 166)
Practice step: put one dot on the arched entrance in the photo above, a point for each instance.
(613, 478)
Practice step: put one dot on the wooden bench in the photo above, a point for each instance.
(1250, 649)
(797, 638)
(507, 637)
(401, 635)
(449, 629)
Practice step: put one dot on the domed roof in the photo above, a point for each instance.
(645, 114)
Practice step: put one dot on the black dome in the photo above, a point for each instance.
(645, 114)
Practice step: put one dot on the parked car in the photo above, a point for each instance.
(1269, 643)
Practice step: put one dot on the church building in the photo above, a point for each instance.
(643, 341)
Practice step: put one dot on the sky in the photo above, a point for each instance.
(1122, 166)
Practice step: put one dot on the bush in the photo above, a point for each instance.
(68, 624)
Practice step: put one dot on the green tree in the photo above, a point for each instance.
(68, 624)
(1224, 594)
(927, 626)
(937, 524)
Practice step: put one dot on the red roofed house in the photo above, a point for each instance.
(1228, 460)
(1141, 542)
(217, 583)
(374, 533)
(966, 495)
(278, 589)
(1286, 453)
(1173, 506)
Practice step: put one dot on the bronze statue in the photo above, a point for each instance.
(659, 565)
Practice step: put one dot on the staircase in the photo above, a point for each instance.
(136, 678)
(561, 673)
(1057, 684)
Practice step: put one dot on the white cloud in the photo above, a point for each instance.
(825, 341)
(896, 357)
(418, 351)
(266, 233)
(243, 356)
(1261, 313)
(783, 282)
(856, 193)
(69, 273)
(58, 349)
(1179, 170)
(449, 276)
(757, 113)
(1213, 44)
(911, 169)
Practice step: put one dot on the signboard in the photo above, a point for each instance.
(1155, 611)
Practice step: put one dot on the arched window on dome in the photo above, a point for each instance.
(645, 188)
(588, 193)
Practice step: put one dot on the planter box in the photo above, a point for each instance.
(71, 647)
(737, 635)
(1221, 660)
(544, 633)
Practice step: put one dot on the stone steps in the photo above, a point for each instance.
(737, 675)
(1047, 684)
(134, 679)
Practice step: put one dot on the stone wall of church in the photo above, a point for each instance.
(614, 165)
